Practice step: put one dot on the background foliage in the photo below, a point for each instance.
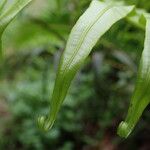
(100, 93)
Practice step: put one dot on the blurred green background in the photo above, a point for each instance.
(98, 98)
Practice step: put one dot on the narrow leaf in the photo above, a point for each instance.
(9, 13)
(97, 19)
(141, 95)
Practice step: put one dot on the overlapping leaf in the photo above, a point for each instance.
(8, 12)
(98, 18)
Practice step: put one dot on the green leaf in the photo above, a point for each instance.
(141, 95)
(8, 12)
(97, 19)
(2, 5)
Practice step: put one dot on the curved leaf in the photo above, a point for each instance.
(97, 19)
(141, 95)
(8, 14)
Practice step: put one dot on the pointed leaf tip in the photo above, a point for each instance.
(124, 130)
(44, 123)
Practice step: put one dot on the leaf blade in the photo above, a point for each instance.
(97, 19)
(141, 95)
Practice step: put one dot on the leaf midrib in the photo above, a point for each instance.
(80, 42)
(83, 36)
